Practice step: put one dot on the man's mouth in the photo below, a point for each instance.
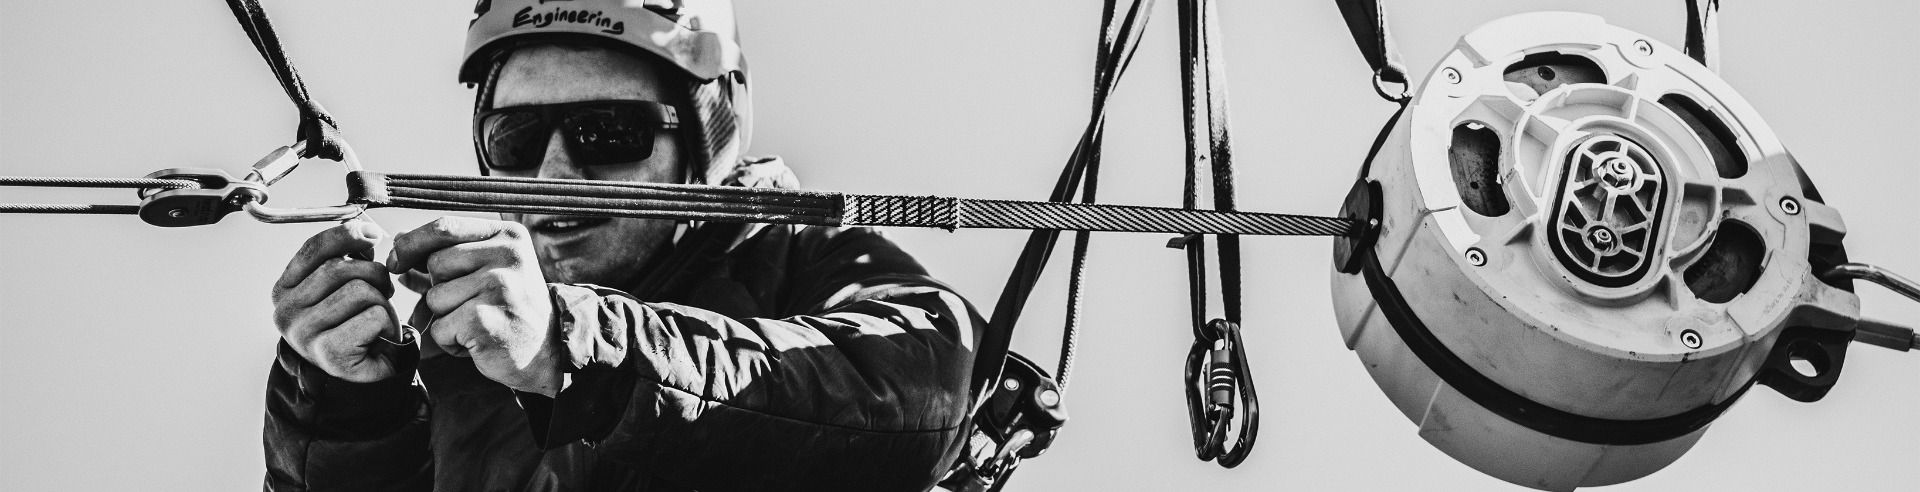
(555, 226)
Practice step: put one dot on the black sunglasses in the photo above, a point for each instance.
(596, 133)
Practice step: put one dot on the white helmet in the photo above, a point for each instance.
(697, 36)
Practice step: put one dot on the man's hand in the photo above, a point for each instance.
(488, 298)
(330, 306)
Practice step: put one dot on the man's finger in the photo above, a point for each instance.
(329, 276)
(453, 332)
(446, 297)
(415, 281)
(343, 351)
(344, 303)
(357, 236)
(461, 259)
(411, 249)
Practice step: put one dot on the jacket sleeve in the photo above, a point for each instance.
(323, 433)
(867, 390)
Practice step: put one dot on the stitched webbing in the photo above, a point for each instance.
(317, 128)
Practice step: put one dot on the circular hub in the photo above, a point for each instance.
(1608, 210)
(1587, 246)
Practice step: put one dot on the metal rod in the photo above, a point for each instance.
(1870, 273)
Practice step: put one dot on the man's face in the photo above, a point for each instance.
(586, 249)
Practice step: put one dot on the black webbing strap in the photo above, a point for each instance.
(1368, 23)
(317, 128)
(1210, 151)
(1703, 32)
(1119, 37)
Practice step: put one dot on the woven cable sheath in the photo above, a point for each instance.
(736, 204)
(963, 213)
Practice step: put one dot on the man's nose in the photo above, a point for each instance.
(557, 163)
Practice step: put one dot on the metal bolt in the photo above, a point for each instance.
(1453, 76)
(1049, 397)
(1789, 205)
(1644, 47)
(1601, 237)
(1476, 257)
(1010, 384)
(1690, 338)
(1617, 173)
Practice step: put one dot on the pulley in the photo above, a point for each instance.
(1584, 246)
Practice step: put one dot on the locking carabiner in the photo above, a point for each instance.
(1216, 372)
(277, 164)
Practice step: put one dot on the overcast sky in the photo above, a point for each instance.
(134, 357)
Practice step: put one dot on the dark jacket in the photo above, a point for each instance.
(800, 358)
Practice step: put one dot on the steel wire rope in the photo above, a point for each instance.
(142, 184)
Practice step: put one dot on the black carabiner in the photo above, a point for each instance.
(1210, 395)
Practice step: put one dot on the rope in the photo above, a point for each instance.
(63, 182)
(44, 208)
(142, 184)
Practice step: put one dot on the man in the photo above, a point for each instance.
(578, 353)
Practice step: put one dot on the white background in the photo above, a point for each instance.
(134, 357)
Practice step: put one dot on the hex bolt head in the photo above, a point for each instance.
(1789, 205)
(1617, 173)
(1644, 47)
(1476, 257)
(1453, 76)
(1602, 236)
(1690, 338)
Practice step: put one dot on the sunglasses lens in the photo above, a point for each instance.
(514, 140)
(597, 133)
(609, 135)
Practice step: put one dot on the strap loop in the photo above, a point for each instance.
(317, 129)
(1210, 151)
(1368, 23)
